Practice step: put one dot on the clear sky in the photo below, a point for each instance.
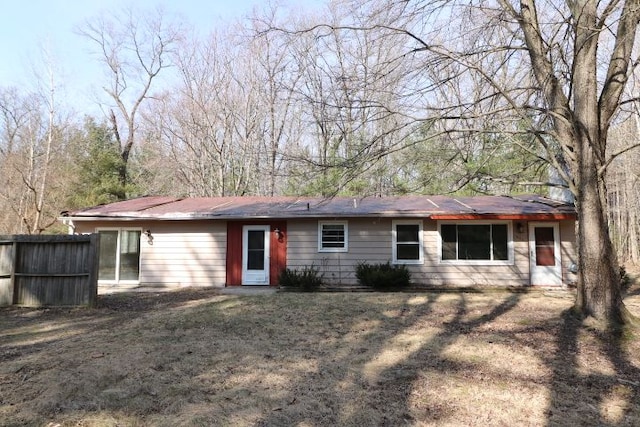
(27, 25)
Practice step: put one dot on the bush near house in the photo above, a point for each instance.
(307, 279)
(383, 276)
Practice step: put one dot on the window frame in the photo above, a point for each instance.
(117, 280)
(394, 242)
(344, 248)
(510, 245)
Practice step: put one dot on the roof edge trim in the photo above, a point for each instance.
(514, 217)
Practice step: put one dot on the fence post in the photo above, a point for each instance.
(14, 263)
(94, 260)
(7, 270)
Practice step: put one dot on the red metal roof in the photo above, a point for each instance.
(436, 207)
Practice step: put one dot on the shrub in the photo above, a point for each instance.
(307, 279)
(383, 276)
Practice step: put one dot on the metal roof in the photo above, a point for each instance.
(436, 207)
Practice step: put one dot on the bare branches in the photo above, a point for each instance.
(619, 69)
(135, 48)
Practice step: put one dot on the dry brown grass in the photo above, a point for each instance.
(199, 358)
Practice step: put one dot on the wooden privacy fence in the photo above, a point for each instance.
(40, 271)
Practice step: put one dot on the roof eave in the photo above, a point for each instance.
(435, 216)
(552, 216)
(187, 217)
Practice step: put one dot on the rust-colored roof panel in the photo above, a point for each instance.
(116, 208)
(317, 207)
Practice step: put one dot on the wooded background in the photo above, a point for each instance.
(277, 104)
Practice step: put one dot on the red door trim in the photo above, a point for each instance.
(278, 250)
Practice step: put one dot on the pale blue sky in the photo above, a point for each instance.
(26, 25)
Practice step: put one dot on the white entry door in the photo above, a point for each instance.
(255, 255)
(544, 248)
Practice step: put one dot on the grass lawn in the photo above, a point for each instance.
(353, 359)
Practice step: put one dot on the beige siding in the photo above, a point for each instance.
(568, 251)
(193, 253)
(370, 240)
(181, 254)
(434, 272)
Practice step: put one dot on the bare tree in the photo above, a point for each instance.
(347, 94)
(558, 69)
(581, 108)
(17, 156)
(274, 72)
(49, 95)
(623, 178)
(135, 47)
(231, 119)
(30, 144)
(189, 120)
(210, 125)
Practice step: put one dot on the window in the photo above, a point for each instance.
(119, 255)
(475, 242)
(407, 242)
(333, 236)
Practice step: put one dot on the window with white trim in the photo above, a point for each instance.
(119, 255)
(333, 236)
(475, 242)
(407, 242)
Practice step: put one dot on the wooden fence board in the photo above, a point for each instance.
(49, 270)
(6, 273)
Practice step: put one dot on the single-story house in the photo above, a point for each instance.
(245, 241)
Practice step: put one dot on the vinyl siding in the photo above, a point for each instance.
(568, 251)
(182, 254)
(193, 253)
(370, 240)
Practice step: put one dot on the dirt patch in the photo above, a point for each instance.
(197, 357)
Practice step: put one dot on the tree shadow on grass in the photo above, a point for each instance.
(20, 323)
(593, 381)
(419, 358)
(377, 389)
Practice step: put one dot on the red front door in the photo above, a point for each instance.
(241, 250)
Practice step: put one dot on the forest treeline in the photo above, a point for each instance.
(279, 103)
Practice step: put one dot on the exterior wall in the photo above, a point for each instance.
(435, 273)
(568, 251)
(182, 253)
(370, 240)
(194, 253)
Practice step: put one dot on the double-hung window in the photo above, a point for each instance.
(119, 255)
(407, 242)
(333, 236)
(476, 243)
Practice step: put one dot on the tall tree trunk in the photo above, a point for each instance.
(122, 168)
(599, 293)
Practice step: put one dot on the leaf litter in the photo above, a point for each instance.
(198, 357)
